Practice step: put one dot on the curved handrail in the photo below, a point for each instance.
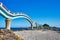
(17, 16)
(10, 15)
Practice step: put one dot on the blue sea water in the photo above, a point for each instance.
(19, 29)
(15, 29)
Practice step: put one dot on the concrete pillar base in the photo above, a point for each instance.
(8, 23)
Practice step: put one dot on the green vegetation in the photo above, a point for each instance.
(46, 26)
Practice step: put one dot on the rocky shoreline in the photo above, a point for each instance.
(6, 34)
(29, 35)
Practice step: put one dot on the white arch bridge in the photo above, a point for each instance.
(9, 16)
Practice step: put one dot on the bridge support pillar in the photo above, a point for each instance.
(31, 26)
(8, 23)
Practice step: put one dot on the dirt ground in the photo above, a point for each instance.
(38, 35)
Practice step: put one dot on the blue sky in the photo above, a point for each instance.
(41, 11)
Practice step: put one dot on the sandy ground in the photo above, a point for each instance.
(38, 35)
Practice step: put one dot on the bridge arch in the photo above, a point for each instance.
(25, 17)
(20, 23)
(10, 16)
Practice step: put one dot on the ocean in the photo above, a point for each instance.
(15, 29)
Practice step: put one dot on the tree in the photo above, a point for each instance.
(46, 26)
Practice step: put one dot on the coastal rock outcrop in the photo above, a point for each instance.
(6, 34)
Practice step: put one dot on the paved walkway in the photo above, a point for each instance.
(39, 35)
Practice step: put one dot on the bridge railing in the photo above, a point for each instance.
(5, 8)
(25, 15)
(15, 14)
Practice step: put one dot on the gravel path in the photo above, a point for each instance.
(39, 35)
